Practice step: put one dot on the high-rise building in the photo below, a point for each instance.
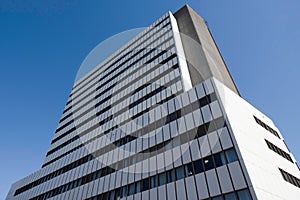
(162, 119)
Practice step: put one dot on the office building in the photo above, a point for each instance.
(163, 119)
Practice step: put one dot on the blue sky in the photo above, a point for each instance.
(43, 43)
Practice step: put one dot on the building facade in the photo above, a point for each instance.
(163, 119)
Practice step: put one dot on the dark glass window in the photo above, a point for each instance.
(268, 128)
(124, 191)
(244, 195)
(118, 193)
(231, 155)
(217, 198)
(138, 187)
(162, 179)
(145, 184)
(290, 178)
(198, 166)
(153, 182)
(148, 183)
(171, 176)
(112, 195)
(230, 196)
(179, 173)
(201, 131)
(131, 189)
(219, 159)
(208, 163)
(189, 170)
(279, 151)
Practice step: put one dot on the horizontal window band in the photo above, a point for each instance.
(120, 65)
(79, 83)
(102, 121)
(265, 126)
(99, 103)
(159, 148)
(106, 132)
(191, 168)
(290, 178)
(114, 78)
(279, 151)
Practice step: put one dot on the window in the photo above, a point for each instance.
(198, 166)
(162, 179)
(171, 176)
(124, 191)
(145, 184)
(230, 196)
(290, 178)
(112, 195)
(217, 198)
(153, 182)
(158, 180)
(208, 163)
(138, 187)
(244, 195)
(219, 159)
(231, 155)
(189, 170)
(131, 189)
(118, 193)
(179, 173)
(265, 126)
(201, 131)
(279, 151)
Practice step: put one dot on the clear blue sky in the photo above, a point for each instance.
(42, 44)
